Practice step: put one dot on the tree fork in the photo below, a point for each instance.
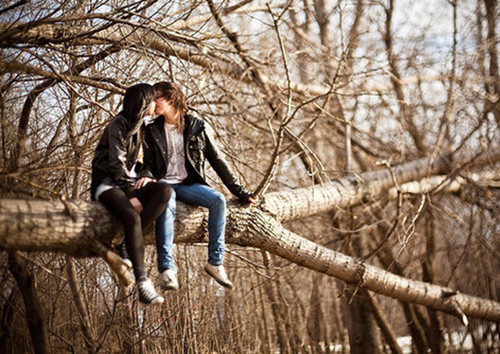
(263, 231)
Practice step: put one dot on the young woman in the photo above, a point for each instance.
(175, 151)
(112, 185)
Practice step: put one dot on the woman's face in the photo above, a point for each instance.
(151, 110)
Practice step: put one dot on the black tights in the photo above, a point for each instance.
(154, 197)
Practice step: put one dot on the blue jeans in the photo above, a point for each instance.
(195, 194)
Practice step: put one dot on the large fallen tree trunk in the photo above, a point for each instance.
(80, 228)
(50, 226)
(74, 226)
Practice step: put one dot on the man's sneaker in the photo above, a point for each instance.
(169, 280)
(147, 293)
(121, 249)
(219, 274)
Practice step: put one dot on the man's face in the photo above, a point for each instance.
(165, 108)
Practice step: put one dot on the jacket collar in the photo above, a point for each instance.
(157, 129)
(194, 126)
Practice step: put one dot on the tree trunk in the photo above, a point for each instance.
(384, 325)
(35, 319)
(316, 320)
(279, 320)
(80, 305)
(491, 16)
(435, 336)
(73, 227)
(350, 190)
(363, 337)
(415, 327)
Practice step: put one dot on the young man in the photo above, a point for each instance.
(175, 151)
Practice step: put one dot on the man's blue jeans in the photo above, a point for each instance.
(195, 194)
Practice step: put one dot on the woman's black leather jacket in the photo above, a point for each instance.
(198, 148)
(118, 147)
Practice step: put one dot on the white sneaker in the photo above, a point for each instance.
(147, 293)
(169, 280)
(218, 272)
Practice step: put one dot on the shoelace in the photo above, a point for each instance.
(147, 291)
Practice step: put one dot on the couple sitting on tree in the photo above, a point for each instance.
(176, 146)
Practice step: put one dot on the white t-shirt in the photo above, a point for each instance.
(176, 168)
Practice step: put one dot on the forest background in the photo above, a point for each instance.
(370, 130)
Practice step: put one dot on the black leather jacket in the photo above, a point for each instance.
(198, 148)
(118, 148)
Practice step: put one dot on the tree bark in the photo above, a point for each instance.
(349, 191)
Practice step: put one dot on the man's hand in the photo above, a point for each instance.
(136, 204)
(141, 182)
(253, 200)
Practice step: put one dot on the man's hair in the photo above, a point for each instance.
(172, 93)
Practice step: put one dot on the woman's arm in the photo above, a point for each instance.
(117, 157)
(147, 159)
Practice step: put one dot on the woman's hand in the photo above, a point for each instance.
(141, 182)
(136, 203)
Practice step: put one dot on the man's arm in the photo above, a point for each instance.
(220, 166)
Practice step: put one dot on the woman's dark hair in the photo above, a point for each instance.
(137, 100)
(172, 93)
